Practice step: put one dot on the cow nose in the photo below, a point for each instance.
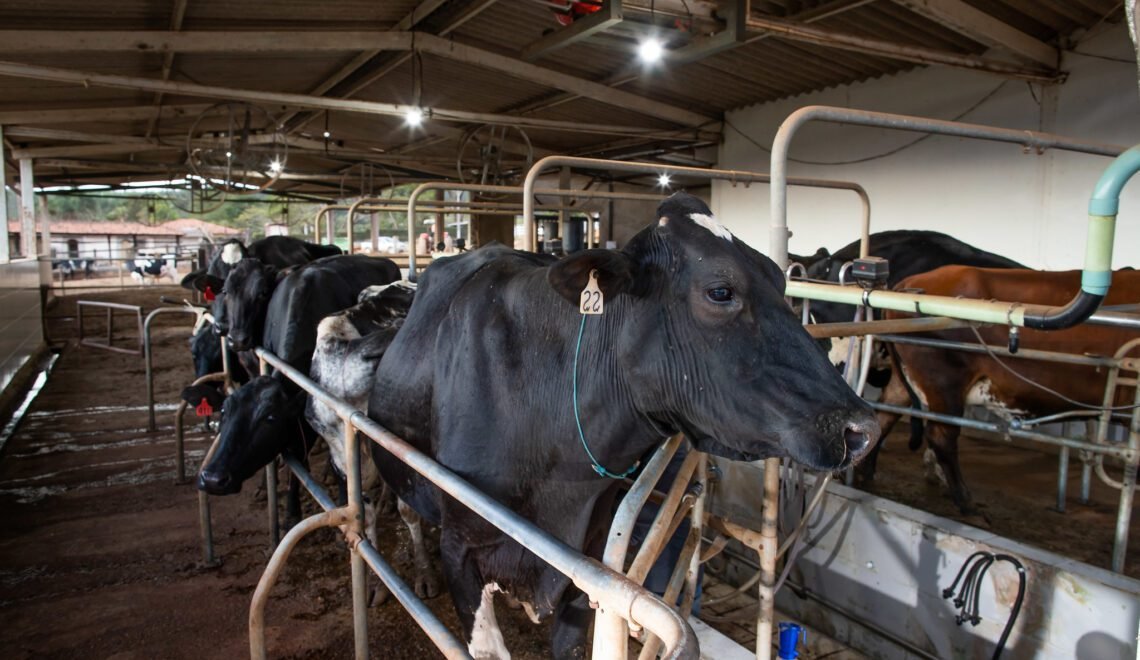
(859, 435)
(239, 342)
(217, 483)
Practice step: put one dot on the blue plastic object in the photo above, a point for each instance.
(790, 634)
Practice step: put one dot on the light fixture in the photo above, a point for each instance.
(650, 50)
(414, 116)
(327, 135)
(663, 180)
(275, 167)
(229, 154)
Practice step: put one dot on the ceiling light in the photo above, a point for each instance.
(650, 50)
(275, 167)
(229, 154)
(663, 180)
(414, 116)
(327, 135)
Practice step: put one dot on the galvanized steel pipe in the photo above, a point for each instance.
(736, 176)
(147, 357)
(610, 589)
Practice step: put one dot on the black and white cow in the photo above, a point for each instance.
(266, 414)
(68, 268)
(150, 271)
(349, 346)
(695, 337)
(277, 251)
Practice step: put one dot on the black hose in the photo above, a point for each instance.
(968, 597)
(1057, 318)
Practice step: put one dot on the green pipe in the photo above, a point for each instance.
(1103, 207)
(982, 311)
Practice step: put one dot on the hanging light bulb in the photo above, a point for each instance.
(414, 116)
(275, 167)
(663, 180)
(650, 50)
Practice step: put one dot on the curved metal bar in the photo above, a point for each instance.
(273, 569)
(736, 176)
(528, 202)
(611, 590)
(1100, 224)
(317, 220)
(147, 357)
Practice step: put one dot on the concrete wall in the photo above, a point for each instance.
(21, 333)
(1028, 207)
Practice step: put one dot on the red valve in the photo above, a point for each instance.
(208, 294)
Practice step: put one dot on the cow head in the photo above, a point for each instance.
(708, 346)
(259, 421)
(246, 295)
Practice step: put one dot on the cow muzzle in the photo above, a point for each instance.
(850, 433)
(218, 483)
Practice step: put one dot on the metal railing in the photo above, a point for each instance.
(610, 590)
(111, 307)
(148, 357)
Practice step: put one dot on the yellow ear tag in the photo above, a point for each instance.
(591, 301)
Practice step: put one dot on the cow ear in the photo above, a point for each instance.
(188, 281)
(821, 253)
(204, 282)
(570, 275)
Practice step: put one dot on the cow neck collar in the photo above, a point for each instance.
(597, 466)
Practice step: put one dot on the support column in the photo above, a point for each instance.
(439, 226)
(5, 238)
(27, 209)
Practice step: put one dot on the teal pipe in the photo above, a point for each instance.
(1103, 207)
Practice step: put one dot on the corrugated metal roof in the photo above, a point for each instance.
(763, 68)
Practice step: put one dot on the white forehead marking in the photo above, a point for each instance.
(231, 253)
(663, 221)
(710, 223)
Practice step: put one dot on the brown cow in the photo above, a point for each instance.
(947, 381)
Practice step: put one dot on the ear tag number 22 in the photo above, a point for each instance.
(591, 301)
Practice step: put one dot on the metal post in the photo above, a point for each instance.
(148, 357)
(767, 592)
(204, 524)
(356, 527)
(4, 235)
(27, 209)
(1062, 477)
(271, 483)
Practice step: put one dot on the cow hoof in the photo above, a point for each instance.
(379, 596)
(427, 583)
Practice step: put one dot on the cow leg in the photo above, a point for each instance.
(380, 592)
(942, 439)
(292, 503)
(427, 582)
(572, 620)
(388, 503)
(894, 394)
(473, 599)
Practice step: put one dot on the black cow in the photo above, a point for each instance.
(265, 414)
(909, 252)
(278, 251)
(206, 353)
(695, 337)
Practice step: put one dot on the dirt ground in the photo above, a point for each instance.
(100, 554)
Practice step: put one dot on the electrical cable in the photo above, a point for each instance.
(885, 154)
(1043, 388)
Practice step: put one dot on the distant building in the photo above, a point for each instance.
(210, 232)
(78, 239)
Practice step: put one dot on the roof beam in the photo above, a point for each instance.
(176, 17)
(419, 13)
(981, 27)
(610, 14)
(33, 133)
(85, 78)
(794, 31)
(99, 115)
(38, 41)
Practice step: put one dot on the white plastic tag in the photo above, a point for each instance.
(591, 301)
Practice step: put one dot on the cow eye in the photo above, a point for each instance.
(720, 294)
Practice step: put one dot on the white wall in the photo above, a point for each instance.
(1028, 207)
